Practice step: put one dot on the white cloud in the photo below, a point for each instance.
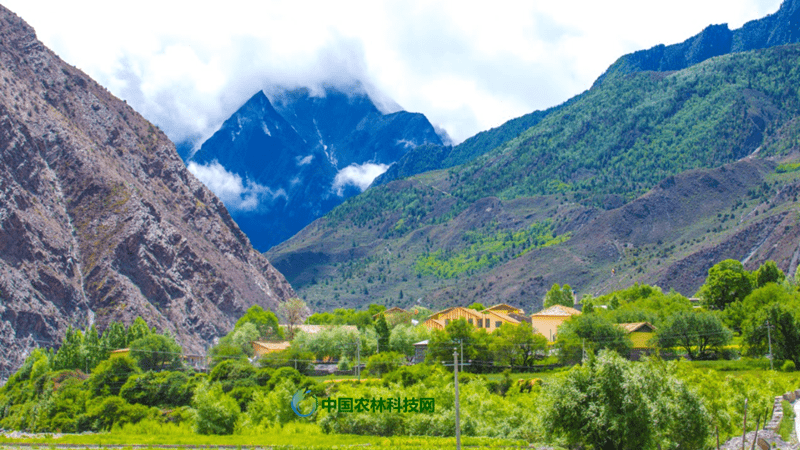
(360, 176)
(238, 195)
(465, 65)
(305, 160)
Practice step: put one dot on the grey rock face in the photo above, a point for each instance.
(99, 219)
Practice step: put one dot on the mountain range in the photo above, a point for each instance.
(101, 221)
(651, 176)
(295, 156)
(780, 28)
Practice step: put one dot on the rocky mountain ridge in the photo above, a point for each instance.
(99, 219)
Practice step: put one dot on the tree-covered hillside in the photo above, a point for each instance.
(585, 169)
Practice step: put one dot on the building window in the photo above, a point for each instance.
(447, 321)
(480, 323)
(470, 321)
(497, 324)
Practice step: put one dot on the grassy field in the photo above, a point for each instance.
(293, 435)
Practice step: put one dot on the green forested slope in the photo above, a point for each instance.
(599, 152)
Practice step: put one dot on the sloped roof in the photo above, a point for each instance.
(314, 329)
(282, 345)
(505, 317)
(470, 312)
(392, 310)
(644, 327)
(503, 307)
(558, 310)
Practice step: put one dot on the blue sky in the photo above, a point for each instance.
(468, 66)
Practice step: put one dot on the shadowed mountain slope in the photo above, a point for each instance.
(99, 219)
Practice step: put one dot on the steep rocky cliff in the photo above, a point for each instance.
(100, 220)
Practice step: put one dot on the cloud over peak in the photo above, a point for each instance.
(237, 194)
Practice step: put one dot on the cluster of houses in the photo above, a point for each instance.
(545, 322)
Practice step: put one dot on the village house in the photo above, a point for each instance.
(547, 321)
(641, 335)
(488, 319)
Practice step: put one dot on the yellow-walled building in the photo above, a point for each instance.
(487, 319)
(547, 321)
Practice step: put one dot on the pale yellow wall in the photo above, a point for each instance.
(548, 325)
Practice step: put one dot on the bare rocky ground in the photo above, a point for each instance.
(99, 219)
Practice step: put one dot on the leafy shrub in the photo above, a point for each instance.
(407, 376)
(110, 375)
(233, 373)
(788, 366)
(384, 362)
(156, 352)
(290, 358)
(163, 388)
(101, 416)
(217, 412)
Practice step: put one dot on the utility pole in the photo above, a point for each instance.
(358, 359)
(769, 339)
(458, 422)
(744, 426)
(461, 341)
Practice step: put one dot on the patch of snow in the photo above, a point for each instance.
(265, 128)
(406, 143)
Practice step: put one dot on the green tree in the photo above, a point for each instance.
(517, 345)
(384, 362)
(559, 295)
(110, 375)
(265, 321)
(404, 337)
(612, 404)
(217, 412)
(156, 352)
(69, 355)
(785, 332)
(592, 333)
(741, 310)
(726, 283)
(383, 332)
(138, 330)
(172, 389)
(697, 333)
(769, 273)
(93, 352)
(293, 312)
(114, 337)
(477, 306)
(459, 334)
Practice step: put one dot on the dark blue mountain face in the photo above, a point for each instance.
(780, 28)
(279, 165)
